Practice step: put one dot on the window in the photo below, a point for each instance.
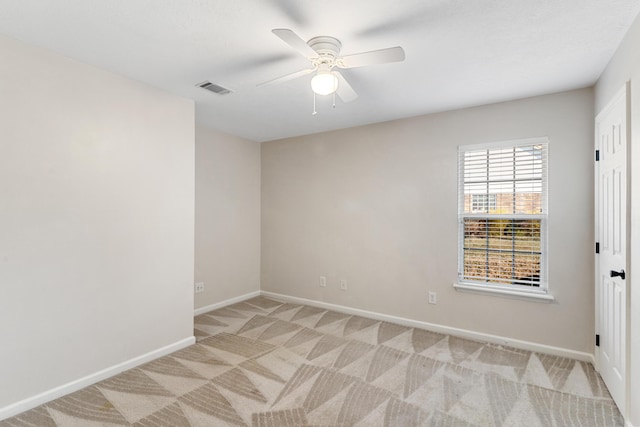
(483, 202)
(502, 215)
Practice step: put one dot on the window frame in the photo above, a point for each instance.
(540, 293)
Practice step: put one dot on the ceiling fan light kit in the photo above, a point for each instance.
(324, 83)
(323, 53)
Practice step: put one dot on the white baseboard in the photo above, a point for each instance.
(462, 333)
(54, 393)
(225, 303)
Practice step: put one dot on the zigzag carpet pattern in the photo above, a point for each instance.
(265, 363)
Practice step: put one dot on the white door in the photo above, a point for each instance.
(611, 232)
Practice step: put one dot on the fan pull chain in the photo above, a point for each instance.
(334, 100)
(314, 105)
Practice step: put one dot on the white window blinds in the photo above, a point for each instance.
(502, 214)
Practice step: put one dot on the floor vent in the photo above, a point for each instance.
(214, 88)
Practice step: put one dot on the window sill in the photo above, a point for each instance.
(506, 293)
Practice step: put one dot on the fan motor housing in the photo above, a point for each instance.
(325, 46)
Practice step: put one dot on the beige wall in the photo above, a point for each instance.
(625, 67)
(377, 205)
(96, 220)
(227, 242)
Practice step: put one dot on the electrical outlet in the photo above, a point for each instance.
(343, 284)
(432, 298)
(199, 287)
(323, 282)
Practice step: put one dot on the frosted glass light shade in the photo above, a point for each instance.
(324, 83)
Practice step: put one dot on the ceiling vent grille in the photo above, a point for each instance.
(214, 88)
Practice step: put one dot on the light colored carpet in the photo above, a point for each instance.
(265, 363)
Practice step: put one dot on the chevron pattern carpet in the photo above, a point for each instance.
(265, 363)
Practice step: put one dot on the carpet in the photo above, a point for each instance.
(266, 363)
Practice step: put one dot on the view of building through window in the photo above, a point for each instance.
(483, 202)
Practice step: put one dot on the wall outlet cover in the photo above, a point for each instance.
(432, 297)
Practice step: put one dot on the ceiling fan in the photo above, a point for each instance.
(324, 54)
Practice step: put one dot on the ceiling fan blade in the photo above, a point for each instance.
(288, 77)
(293, 40)
(382, 56)
(345, 91)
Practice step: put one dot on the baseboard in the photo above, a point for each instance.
(32, 402)
(462, 333)
(225, 303)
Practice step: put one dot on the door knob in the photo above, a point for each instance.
(620, 274)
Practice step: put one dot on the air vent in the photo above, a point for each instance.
(214, 88)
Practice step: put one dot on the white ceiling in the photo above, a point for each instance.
(459, 53)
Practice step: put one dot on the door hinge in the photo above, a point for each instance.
(597, 340)
(597, 247)
(597, 155)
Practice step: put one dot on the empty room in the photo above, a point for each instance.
(319, 213)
